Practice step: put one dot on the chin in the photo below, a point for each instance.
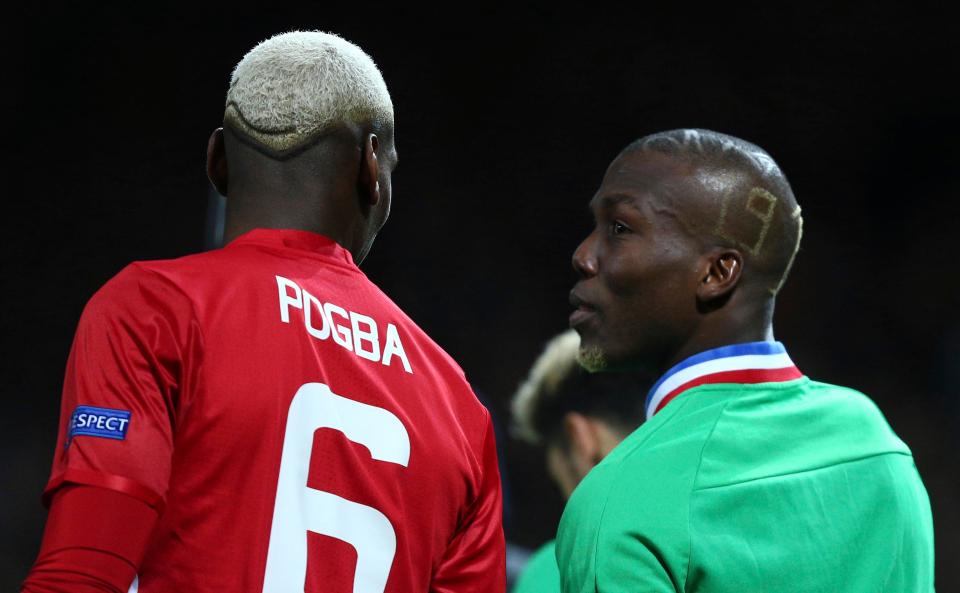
(592, 358)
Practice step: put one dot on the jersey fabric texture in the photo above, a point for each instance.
(747, 479)
(541, 574)
(293, 428)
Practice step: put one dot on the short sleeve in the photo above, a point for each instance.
(122, 389)
(476, 557)
(630, 562)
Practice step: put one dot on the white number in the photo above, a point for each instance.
(299, 509)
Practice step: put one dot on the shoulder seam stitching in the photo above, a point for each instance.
(696, 474)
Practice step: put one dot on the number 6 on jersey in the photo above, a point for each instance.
(299, 508)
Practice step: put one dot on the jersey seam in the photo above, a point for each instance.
(797, 473)
(193, 308)
(606, 499)
(196, 317)
(696, 474)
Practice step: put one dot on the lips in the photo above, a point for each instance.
(584, 313)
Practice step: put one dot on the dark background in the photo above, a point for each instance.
(506, 120)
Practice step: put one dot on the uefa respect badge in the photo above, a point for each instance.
(106, 423)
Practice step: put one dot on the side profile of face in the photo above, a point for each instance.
(638, 269)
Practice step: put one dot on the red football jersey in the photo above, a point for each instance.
(295, 429)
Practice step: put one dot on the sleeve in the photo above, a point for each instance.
(626, 529)
(122, 387)
(476, 557)
(93, 542)
(632, 563)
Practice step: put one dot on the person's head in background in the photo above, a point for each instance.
(307, 141)
(578, 417)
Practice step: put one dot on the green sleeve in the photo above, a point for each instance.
(541, 574)
(643, 542)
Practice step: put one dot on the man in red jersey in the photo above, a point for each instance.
(261, 417)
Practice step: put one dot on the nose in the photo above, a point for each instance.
(585, 258)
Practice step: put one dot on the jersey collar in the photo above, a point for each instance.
(295, 239)
(753, 362)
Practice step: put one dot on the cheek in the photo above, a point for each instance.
(650, 296)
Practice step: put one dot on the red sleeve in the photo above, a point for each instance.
(122, 384)
(476, 557)
(93, 543)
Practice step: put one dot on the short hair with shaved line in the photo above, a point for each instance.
(557, 384)
(752, 207)
(292, 88)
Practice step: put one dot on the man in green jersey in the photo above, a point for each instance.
(746, 476)
(578, 418)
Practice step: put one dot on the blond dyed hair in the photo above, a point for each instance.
(553, 367)
(292, 88)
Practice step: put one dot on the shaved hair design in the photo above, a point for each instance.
(743, 200)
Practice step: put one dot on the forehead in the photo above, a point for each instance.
(639, 178)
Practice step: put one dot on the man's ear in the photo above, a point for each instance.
(720, 272)
(217, 170)
(369, 174)
(585, 443)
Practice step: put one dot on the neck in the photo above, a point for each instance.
(274, 211)
(314, 191)
(735, 326)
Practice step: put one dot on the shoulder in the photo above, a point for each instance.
(781, 429)
(136, 289)
(655, 464)
(641, 491)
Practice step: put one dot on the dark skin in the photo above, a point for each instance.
(655, 287)
(339, 187)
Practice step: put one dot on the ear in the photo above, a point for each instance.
(720, 273)
(585, 443)
(217, 170)
(369, 174)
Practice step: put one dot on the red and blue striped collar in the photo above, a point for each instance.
(754, 362)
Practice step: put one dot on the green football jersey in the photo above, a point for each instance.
(753, 478)
(541, 574)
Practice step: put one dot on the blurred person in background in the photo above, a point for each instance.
(262, 417)
(746, 475)
(578, 418)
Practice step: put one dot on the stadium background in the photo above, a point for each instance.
(506, 122)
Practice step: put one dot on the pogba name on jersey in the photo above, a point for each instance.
(357, 333)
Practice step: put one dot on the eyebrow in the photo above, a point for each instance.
(614, 199)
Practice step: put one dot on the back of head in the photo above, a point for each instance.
(307, 141)
(557, 385)
(292, 88)
(744, 200)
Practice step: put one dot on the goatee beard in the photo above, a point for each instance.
(592, 359)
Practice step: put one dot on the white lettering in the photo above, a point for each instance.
(320, 334)
(342, 335)
(285, 300)
(395, 347)
(356, 333)
(360, 336)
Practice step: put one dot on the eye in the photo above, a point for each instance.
(618, 228)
